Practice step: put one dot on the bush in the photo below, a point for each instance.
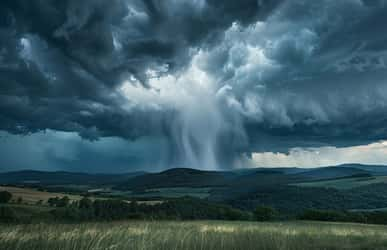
(7, 215)
(64, 202)
(377, 217)
(265, 213)
(67, 213)
(59, 202)
(323, 215)
(85, 203)
(19, 200)
(333, 215)
(5, 196)
(53, 201)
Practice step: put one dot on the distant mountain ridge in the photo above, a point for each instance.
(62, 178)
(179, 177)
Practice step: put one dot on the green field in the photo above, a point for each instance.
(176, 192)
(345, 183)
(31, 196)
(171, 192)
(193, 235)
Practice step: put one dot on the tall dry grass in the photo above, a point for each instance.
(193, 235)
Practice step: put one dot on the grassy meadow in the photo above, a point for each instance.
(175, 192)
(212, 235)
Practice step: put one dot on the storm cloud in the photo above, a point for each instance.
(205, 83)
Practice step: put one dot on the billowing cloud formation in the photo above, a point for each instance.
(371, 154)
(217, 80)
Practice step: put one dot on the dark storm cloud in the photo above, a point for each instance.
(320, 78)
(89, 32)
(277, 74)
(67, 57)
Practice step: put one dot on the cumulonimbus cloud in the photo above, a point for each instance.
(218, 79)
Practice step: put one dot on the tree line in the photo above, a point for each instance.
(174, 209)
(186, 208)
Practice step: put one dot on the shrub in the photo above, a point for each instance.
(64, 202)
(265, 213)
(53, 201)
(377, 217)
(7, 215)
(5, 196)
(85, 203)
(334, 215)
(323, 215)
(59, 202)
(66, 213)
(19, 200)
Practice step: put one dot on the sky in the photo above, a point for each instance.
(128, 85)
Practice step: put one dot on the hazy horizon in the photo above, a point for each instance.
(182, 167)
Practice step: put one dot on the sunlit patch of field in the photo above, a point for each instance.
(31, 196)
(193, 235)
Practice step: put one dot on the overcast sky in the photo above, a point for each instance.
(124, 85)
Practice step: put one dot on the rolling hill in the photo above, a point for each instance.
(31, 177)
(288, 189)
(372, 169)
(178, 177)
(332, 173)
(238, 179)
